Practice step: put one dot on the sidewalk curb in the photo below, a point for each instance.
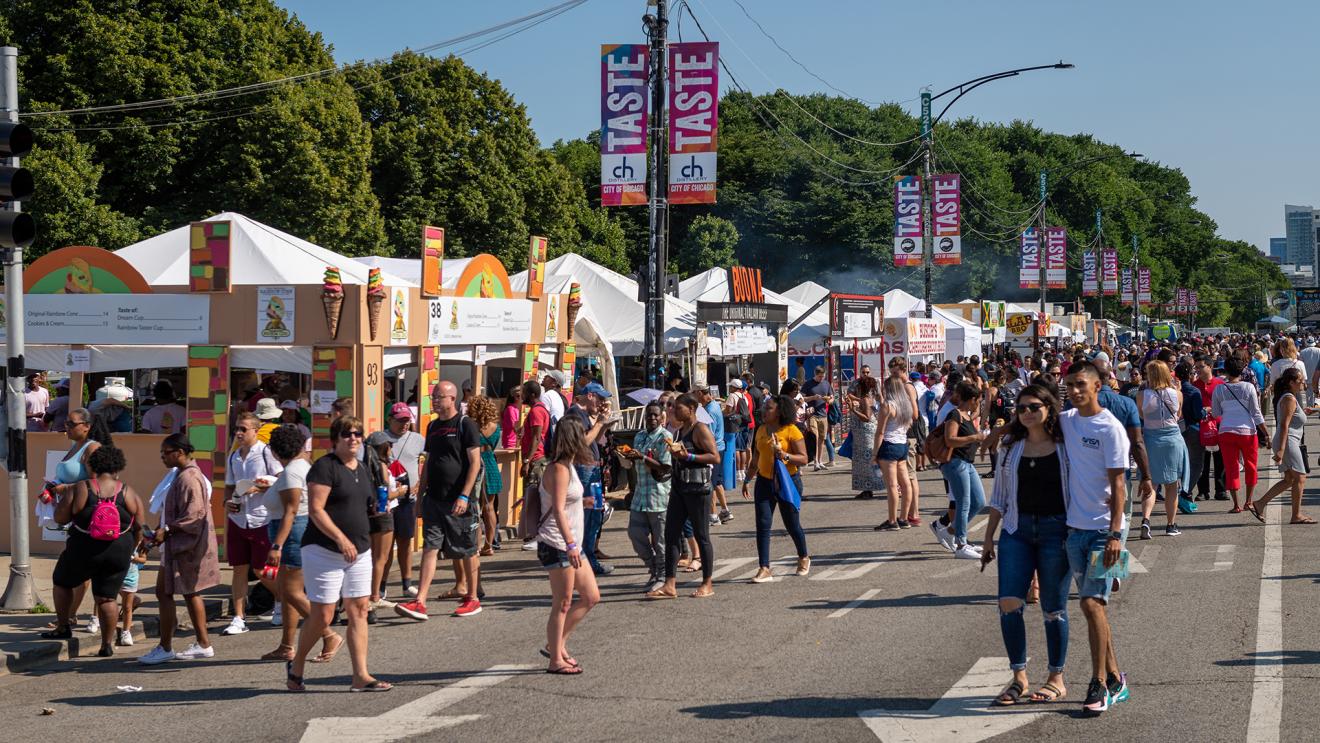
(36, 653)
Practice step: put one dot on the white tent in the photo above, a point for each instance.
(712, 285)
(806, 294)
(961, 337)
(259, 255)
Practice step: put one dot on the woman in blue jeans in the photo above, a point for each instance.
(776, 438)
(962, 431)
(1030, 498)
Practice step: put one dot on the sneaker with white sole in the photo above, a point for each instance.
(237, 626)
(713, 520)
(411, 591)
(94, 625)
(125, 638)
(469, 607)
(197, 652)
(725, 516)
(277, 616)
(967, 552)
(157, 656)
(384, 603)
(942, 535)
(763, 576)
(529, 546)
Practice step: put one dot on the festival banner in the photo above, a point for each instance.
(1029, 264)
(1056, 257)
(1089, 284)
(1180, 301)
(433, 257)
(907, 220)
(946, 218)
(1193, 303)
(1143, 285)
(1126, 295)
(1109, 275)
(694, 97)
(624, 69)
(536, 254)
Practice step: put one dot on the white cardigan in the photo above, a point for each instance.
(1003, 498)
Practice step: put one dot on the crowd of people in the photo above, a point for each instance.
(1064, 432)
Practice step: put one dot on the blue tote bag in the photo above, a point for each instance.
(785, 488)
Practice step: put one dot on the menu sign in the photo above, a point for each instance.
(118, 319)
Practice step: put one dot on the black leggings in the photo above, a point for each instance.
(694, 507)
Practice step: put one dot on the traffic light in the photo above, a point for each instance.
(17, 229)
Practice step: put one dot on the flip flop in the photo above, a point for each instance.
(376, 685)
(693, 567)
(1251, 508)
(1235, 509)
(661, 593)
(565, 671)
(1047, 693)
(1010, 696)
(1303, 520)
(703, 593)
(571, 661)
(292, 682)
(328, 655)
(279, 653)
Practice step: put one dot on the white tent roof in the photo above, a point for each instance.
(713, 286)
(807, 293)
(259, 255)
(410, 269)
(963, 337)
(609, 299)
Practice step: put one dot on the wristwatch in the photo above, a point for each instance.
(1115, 535)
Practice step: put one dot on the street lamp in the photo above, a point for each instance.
(928, 141)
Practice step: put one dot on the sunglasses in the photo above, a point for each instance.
(351, 435)
(1034, 407)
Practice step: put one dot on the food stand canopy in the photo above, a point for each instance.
(961, 337)
(261, 255)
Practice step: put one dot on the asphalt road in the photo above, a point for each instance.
(886, 621)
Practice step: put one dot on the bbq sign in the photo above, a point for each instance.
(694, 98)
(623, 112)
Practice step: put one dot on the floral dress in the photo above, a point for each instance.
(864, 476)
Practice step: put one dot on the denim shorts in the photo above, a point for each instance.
(130, 579)
(742, 441)
(551, 557)
(291, 550)
(891, 452)
(1081, 543)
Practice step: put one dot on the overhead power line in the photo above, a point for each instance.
(544, 14)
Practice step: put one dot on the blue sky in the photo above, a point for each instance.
(1226, 91)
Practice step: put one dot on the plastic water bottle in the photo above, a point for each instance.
(382, 499)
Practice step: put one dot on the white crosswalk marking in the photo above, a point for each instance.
(849, 568)
(872, 593)
(1207, 558)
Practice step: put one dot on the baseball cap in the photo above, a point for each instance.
(401, 411)
(914, 376)
(735, 384)
(595, 388)
(377, 438)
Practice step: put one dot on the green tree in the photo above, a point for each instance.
(710, 243)
(294, 156)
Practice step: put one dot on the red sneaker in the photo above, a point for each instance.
(469, 607)
(412, 610)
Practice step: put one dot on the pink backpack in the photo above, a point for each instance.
(104, 524)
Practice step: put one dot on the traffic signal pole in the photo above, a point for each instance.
(20, 592)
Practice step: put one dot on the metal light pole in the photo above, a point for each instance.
(927, 143)
(1136, 288)
(20, 592)
(657, 255)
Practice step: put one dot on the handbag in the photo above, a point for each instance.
(785, 489)
(846, 448)
(1210, 433)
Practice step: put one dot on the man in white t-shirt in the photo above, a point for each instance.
(406, 447)
(550, 397)
(1310, 357)
(1097, 449)
(247, 541)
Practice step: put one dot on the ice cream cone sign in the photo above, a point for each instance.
(375, 300)
(332, 298)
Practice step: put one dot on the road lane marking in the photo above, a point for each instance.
(786, 561)
(854, 603)
(1267, 684)
(1207, 558)
(414, 718)
(848, 568)
(1149, 554)
(727, 566)
(962, 715)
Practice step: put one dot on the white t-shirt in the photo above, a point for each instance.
(165, 419)
(554, 403)
(1094, 446)
(294, 477)
(1279, 366)
(1310, 357)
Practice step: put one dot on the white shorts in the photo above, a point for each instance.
(327, 577)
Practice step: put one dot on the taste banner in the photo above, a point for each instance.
(907, 220)
(1089, 284)
(1029, 266)
(1109, 275)
(946, 218)
(1143, 285)
(694, 97)
(623, 119)
(1056, 257)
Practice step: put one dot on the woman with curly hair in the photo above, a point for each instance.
(486, 414)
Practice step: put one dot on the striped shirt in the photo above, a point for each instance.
(651, 496)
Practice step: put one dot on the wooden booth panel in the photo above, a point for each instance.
(208, 420)
(332, 378)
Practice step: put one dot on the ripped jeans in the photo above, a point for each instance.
(1037, 547)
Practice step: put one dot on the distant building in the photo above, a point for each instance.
(1279, 249)
(1301, 225)
(1299, 277)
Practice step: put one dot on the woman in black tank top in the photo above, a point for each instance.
(689, 498)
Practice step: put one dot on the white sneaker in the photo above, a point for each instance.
(942, 534)
(384, 603)
(763, 576)
(197, 652)
(125, 638)
(277, 616)
(94, 625)
(412, 591)
(157, 656)
(967, 552)
(529, 546)
(713, 520)
(237, 626)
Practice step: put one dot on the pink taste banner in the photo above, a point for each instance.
(1128, 287)
(1109, 276)
(623, 120)
(1089, 284)
(694, 97)
(907, 220)
(1192, 303)
(1056, 257)
(1143, 285)
(946, 218)
(1029, 265)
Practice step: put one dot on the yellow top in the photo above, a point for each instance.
(765, 450)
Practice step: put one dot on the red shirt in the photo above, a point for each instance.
(1207, 392)
(533, 447)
